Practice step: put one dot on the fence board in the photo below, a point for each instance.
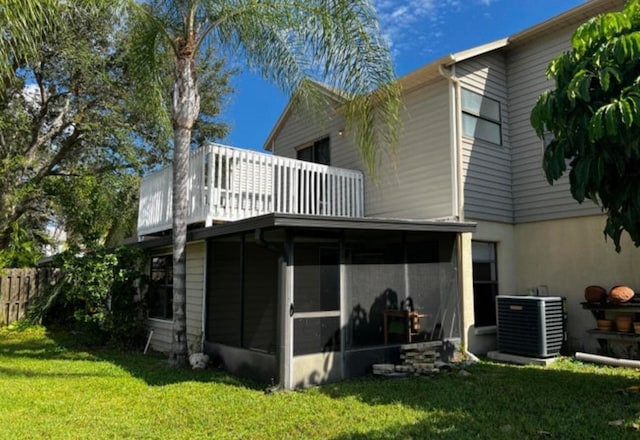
(17, 288)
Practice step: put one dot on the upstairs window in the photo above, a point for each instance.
(318, 152)
(481, 117)
(160, 297)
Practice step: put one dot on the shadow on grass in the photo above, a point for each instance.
(152, 368)
(506, 402)
(155, 370)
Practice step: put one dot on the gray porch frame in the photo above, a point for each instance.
(282, 365)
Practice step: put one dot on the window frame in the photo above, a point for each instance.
(314, 147)
(165, 284)
(481, 116)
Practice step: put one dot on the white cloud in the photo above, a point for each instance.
(416, 26)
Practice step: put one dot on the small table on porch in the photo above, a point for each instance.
(410, 322)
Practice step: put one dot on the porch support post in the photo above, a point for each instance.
(465, 286)
(285, 302)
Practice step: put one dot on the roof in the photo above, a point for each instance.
(431, 71)
(275, 220)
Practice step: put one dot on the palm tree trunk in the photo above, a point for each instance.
(185, 109)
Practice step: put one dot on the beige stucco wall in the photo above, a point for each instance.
(568, 255)
(482, 340)
(504, 235)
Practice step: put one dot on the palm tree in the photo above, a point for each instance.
(291, 43)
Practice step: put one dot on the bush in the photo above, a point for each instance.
(96, 295)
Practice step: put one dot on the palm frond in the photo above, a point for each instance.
(334, 42)
(23, 24)
(149, 51)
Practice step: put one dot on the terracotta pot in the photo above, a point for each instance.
(595, 293)
(605, 325)
(623, 323)
(620, 294)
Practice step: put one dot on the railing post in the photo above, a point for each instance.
(231, 184)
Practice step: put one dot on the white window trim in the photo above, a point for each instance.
(481, 117)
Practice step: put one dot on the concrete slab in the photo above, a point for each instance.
(520, 360)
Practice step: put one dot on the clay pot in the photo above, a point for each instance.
(605, 325)
(595, 294)
(623, 323)
(620, 294)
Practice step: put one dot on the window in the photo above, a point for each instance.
(318, 152)
(485, 282)
(161, 288)
(481, 117)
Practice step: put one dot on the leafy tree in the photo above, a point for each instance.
(87, 205)
(593, 114)
(57, 111)
(72, 141)
(291, 43)
(21, 250)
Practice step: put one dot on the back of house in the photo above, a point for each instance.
(336, 279)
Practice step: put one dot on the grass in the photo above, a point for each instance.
(51, 389)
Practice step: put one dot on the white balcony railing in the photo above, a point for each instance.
(227, 184)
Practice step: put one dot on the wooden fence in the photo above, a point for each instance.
(17, 288)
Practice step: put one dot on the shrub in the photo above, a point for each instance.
(96, 294)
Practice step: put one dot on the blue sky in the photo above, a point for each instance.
(419, 31)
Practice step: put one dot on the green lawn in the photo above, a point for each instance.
(50, 390)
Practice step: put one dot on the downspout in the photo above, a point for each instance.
(260, 241)
(458, 205)
(456, 139)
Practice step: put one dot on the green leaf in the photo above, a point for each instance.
(553, 161)
(626, 114)
(610, 117)
(578, 178)
(541, 114)
(596, 125)
(580, 85)
(605, 79)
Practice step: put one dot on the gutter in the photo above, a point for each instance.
(456, 139)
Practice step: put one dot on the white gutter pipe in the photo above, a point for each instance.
(456, 139)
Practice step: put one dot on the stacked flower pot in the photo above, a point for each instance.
(624, 322)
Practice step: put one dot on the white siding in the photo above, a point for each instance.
(534, 198)
(486, 166)
(162, 330)
(195, 289)
(420, 186)
(301, 128)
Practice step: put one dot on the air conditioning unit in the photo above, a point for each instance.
(533, 326)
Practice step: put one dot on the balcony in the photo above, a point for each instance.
(228, 184)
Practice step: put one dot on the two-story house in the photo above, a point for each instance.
(302, 269)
